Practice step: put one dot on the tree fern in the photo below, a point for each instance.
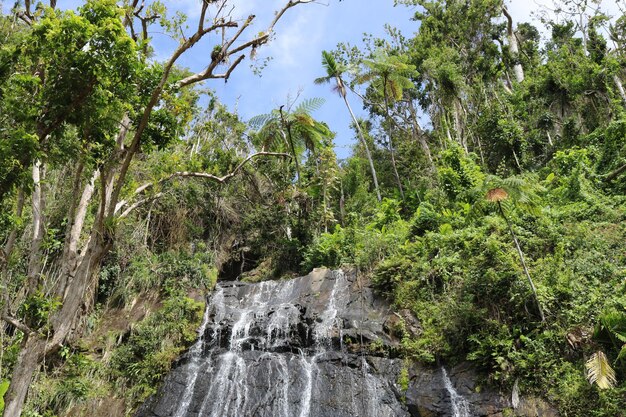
(599, 371)
(258, 121)
(297, 129)
(309, 105)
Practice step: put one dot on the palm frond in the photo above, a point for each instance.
(496, 194)
(395, 89)
(599, 371)
(303, 119)
(365, 77)
(330, 64)
(322, 80)
(615, 323)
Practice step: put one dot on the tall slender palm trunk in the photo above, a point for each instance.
(367, 149)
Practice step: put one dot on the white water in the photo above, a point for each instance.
(308, 366)
(338, 299)
(216, 307)
(259, 328)
(460, 406)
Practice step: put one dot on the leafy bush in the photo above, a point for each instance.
(153, 344)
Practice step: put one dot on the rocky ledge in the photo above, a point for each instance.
(322, 345)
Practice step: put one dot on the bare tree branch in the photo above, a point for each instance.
(17, 324)
(183, 174)
(156, 94)
(139, 203)
(226, 51)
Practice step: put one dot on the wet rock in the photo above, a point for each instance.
(316, 346)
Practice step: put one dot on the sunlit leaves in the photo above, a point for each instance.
(72, 70)
(388, 74)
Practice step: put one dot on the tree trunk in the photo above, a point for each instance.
(395, 168)
(342, 204)
(518, 70)
(616, 173)
(74, 231)
(34, 263)
(391, 149)
(419, 135)
(458, 127)
(79, 282)
(28, 361)
(367, 149)
(620, 87)
(35, 348)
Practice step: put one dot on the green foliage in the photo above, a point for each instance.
(362, 245)
(36, 309)
(294, 131)
(172, 273)
(4, 386)
(74, 383)
(147, 355)
(553, 143)
(328, 249)
(85, 69)
(611, 332)
(403, 379)
(459, 173)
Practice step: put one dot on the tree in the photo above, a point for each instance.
(518, 70)
(297, 129)
(388, 76)
(334, 72)
(456, 57)
(117, 105)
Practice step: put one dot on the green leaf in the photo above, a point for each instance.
(4, 386)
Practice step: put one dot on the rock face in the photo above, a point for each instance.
(293, 349)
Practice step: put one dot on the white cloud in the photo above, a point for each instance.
(302, 34)
(531, 10)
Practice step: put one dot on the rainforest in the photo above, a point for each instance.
(454, 245)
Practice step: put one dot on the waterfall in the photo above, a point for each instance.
(217, 308)
(460, 406)
(277, 349)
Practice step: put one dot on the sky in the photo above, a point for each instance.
(300, 36)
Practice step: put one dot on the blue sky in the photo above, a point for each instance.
(295, 53)
(301, 35)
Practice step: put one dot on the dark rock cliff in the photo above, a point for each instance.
(322, 345)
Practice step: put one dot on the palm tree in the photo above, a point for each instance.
(388, 76)
(599, 371)
(334, 72)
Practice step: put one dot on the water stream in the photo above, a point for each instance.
(460, 406)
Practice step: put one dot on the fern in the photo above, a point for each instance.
(599, 371)
(310, 105)
(259, 121)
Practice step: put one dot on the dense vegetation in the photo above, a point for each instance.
(485, 195)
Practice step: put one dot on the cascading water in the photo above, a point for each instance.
(275, 349)
(460, 406)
